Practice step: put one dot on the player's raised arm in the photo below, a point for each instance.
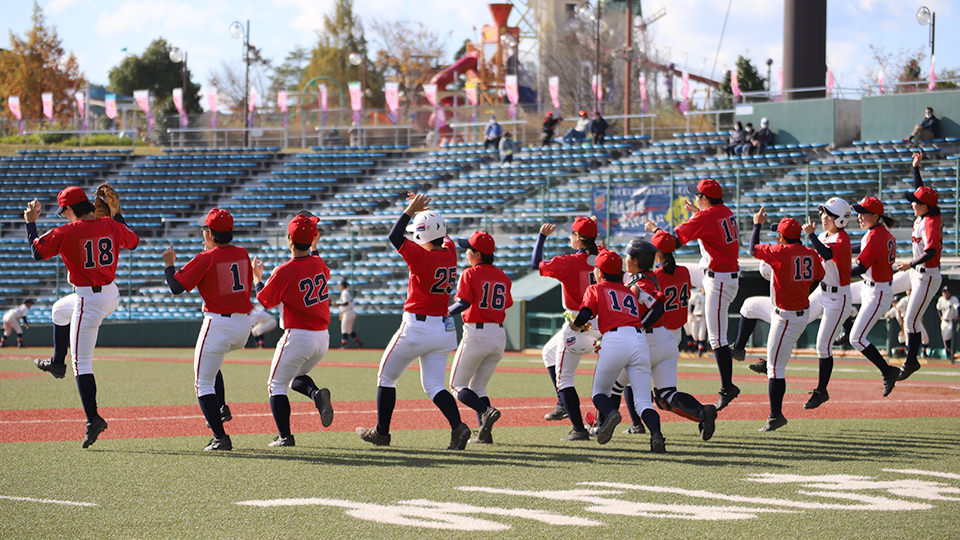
(545, 230)
(169, 259)
(30, 216)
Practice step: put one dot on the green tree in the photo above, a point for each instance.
(748, 78)
(37, 63)
(289, 74)
(154, 71)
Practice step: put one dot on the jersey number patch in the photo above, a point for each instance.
(235, 274)
(674, 299)
(892, 250)
(627, 302)
(499, 299)
(103, 255)
(315, 290)
(803, 269)
(446, 280)
(729, 227)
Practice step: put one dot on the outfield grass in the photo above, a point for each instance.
(165, 487)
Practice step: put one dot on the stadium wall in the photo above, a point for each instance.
(893, 116)
(809, 121)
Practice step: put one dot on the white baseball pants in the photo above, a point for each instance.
(835, 307)
(555, 353)
(430, 340)
(89, 310)
(719, 291)
(298, 351)
(664, 352)
(946, 331)
(924, 287)
(263, 322)
(218, 336)
(624, 349)
(347, 318)
(477, 357)
(874, 302)
(785, 329)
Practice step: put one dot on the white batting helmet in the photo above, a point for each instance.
(427, 226)
(839, 208)
(578, 342)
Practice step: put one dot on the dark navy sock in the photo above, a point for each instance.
(724, 365)
(280, 407)
(604, 405)
(631, 405)
(744, 331)
(448, 406)
(826, 369)
(386, 401)
(776, 388)
(210, 407)
(685, 403)
(343, 338)
(87, 386)
(948, 344)
(913, 348)
(486, 403)
(61, 342)
(552, 371)
(874, 356)
(651, 419)
(470, 398)
(571, 403)
(304, 385)
(219, 390)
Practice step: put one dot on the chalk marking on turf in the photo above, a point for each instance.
(45, 501)
(948, 476)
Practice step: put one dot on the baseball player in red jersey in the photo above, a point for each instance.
(302, 286)
(620, 314)
(90, 249)
(795, 269)
(927, 242)
(574, 271)
(427, 331)
(878, 251)
(223, 275)
(483, 295)
(714, 227)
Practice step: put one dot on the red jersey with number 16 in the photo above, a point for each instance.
(301, 285)
(676, 296)
(613, 304)
(716, 230)
(90, 249)
(878, 252)
(795, 269)
(224, 278)
(574, 272)
(433, 277)
(487, 289)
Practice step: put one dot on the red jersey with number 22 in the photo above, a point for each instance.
(613, 304)
(90, 249)
(224, 278)
(433, 277)
(878, 252)
(675, 289)
(795, 269)
(716, 230)
(487, 289)
(301, 285)
(574, 272)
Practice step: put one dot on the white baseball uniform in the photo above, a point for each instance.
(12, 318)
(348, 312)
(924, 280)
(697, 326)
(263, 322)
(948, 309)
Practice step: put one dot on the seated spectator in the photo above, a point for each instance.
(507, 147)
(735, 140)
(926, 129)
(744, 148)
(761, 138)
(579, 131)
(550, 122)
(492, 134)
(598, 127)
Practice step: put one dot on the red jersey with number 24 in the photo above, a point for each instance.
(301, 285)
(613, 304)
(716, 230)
(675, 289)
(90, 249)
(795, 269)
(487, 289)
(433, 277)
(574, 271)
(878, 252)
(224, 278)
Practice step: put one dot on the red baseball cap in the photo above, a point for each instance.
(302, 229)
(70, 196)
(585, 226)
(707, 187)
(664, 241)
(609, 262)
(219, 220)
(309, 214)
(480, 241)
(869, 205)
(924, 195)
(789, 228)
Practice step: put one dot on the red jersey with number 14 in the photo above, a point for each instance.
(301, 285)
(613, 304)
(433, 277)
(716, 230)
(574, 272)
(487, 289)
(224, 278)
(878, 252)
(675, 289)
(90, 249)
(795, 269)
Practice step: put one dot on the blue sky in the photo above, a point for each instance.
(97, 30)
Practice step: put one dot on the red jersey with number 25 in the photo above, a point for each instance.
(301, 285)
(224, 278)
(716, 230)
(878, 252)
(795, 269)
(487, 289)
(613, 304)
(574, 271)
(90, 249)
(433, 277)
(675, 289)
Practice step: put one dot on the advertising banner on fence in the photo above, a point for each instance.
(110, 105)
(554, 83)
(628, 206)
(391, 93)
(47, 98)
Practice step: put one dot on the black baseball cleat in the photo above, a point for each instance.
(575, 435)
(479, 440)
(47, 364)
(225, 414)
(708, 422)
(890, 380)
(907, 370)
(372, 436)
(658, 445)
(283, 441)
(216, 445)
(635, 429)
(759, 367)
(610, 423)
(322, 400)
(726, 395)
(817, 398)
(459, 437)
(738, 354)
(94, 429)
(487, 419)
(774, 424)
(558, 413)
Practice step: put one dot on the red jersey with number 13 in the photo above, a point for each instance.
(90, 249)
(224, 278)
(301, 285)
(795, 269)
(487, 289)
(675, 289)
(613, 304)
(716, 230)
(433, 277)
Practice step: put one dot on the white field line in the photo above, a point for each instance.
(45, 501)
(836, 369)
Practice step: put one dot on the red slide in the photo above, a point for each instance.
(465, 63)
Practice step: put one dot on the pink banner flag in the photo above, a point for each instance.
(735, 86)
(47, 98)
(356, 93)
(472, 96)
(829, 82)
(323, 97)
(880, 81)
(282, 100)
(13, 103)
(142, 97)
(643, 93)
(596, 84)
(512, 88)
(391, 93)
(933, 77)
(252, 102)
(81, 108)
(430, 91)
(685, 92)
(554, 83)
(110, 105)
(440, 118)
(178, 100)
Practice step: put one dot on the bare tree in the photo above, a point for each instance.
(408, 53)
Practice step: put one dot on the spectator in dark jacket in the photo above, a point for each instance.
(761, 138)
(736, 139)
(926, 129)
(598, 127)
(744, 149)
(550, 122)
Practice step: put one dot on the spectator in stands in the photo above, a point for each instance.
(492, 134)
(353, 134)
(507, 147)
(579, 131)
(432, 140)
(598, 127)
(550, 122)
(761, 138)
(926, 129)
(744, 148)
(735, 140)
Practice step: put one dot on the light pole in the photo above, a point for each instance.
(179, 56)
(929, 18)
(359, 60)
(237, 31)
(584, 12)
(769, 82)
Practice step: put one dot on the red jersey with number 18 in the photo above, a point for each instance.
(878, 252)
(224, 278)
(795, 269)
(487, 289)
(716, 230)
(433, 277)
(90, 249)
(613, 304)
(676, 296)
(301, 285)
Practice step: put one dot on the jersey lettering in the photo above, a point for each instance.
(446, 280)
(627, 302)
(235, 272)
(729, 227)
(315, 290)
(499, 299)
(104, 255)
(892, 250)
(675, 299)
(803, 269)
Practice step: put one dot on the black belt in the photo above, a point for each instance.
(779, 311)
(924, 269)
(480, 325)
(829, 288)
(711, 273)
(636, 328)
(96, 288)
(869, 283)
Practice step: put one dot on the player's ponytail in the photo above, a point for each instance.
(590, 244)
(669, 263)
(889, 221)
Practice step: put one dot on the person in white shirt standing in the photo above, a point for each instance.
(949, 308)
(11, 322)
(348, 315)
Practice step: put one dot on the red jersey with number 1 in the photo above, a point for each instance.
(676, 296)
(795, 269)
(487, 289)
(301, 285)
(433, 277)
(574, 272)
(90, 249)
(613, 304)
(716, 230)
(878, 252)
(224, 278)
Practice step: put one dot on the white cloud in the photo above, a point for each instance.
(56, 7)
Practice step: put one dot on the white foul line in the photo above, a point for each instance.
(45, 501)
